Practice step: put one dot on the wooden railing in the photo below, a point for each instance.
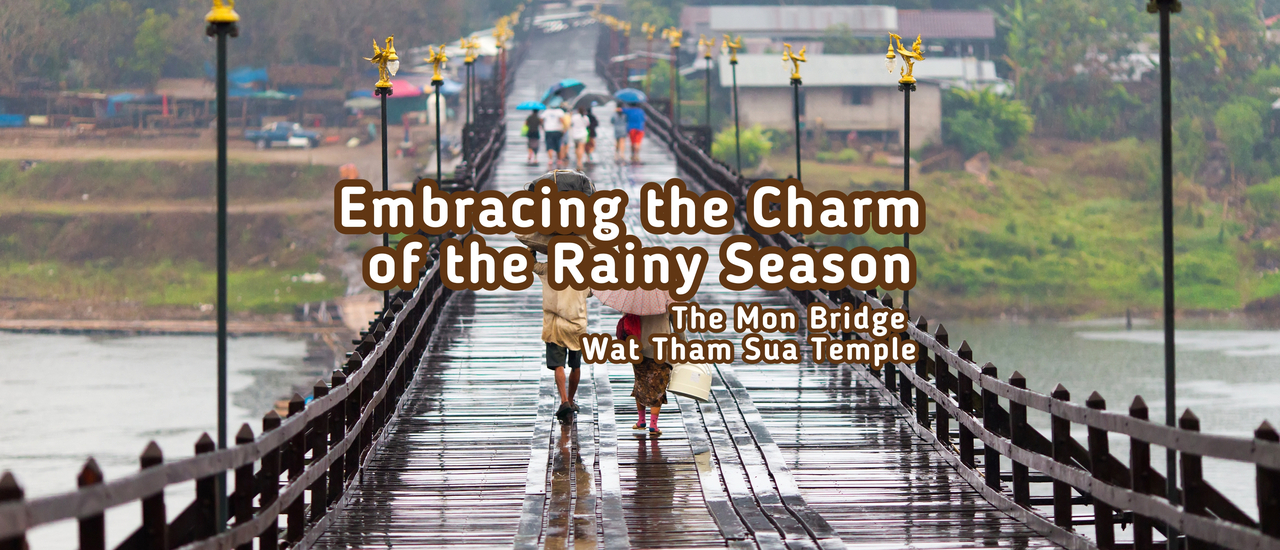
(301, 467)
(990, 421)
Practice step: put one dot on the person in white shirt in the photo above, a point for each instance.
(578, 133)
(553, 124)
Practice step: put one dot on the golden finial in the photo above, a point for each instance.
(387, 61)
(469, 47)
(794, 58)
(500, 35)
(708, 44)
(222, 13)
(437, 59)
(733, 46)
(648, 29)
(674, 35)
(909, 58)
(626, 28)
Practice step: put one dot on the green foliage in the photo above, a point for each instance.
(1240, 129)
(755, 146)
(844, 156)
(662, 13)
(1265, 199)
(1189, 147)
(982, 120)
(964, 130)
(151, 46)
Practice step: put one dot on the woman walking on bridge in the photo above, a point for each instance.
(651, 377)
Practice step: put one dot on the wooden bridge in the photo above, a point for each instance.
(439, 430)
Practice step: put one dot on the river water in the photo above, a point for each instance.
(65, 398)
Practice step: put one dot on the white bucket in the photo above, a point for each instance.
(691, 380)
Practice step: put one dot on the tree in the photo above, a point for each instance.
(755, 146)
(839, 39)
(1239, 128)
(662, 13)
(151, 46)
(30, 45)
(999, 121)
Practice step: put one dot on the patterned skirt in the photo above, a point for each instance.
(652, 379)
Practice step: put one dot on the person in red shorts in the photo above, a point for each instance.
(635, 129)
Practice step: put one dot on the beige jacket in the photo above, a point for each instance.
(564, 313)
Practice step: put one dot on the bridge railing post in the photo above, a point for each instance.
(319, 435)
(922, 372)
(964, 395)
(942, 375)
(990, 457)
(337, 429)
(1018, 434)
(245, 489)
(1140, 475)
(1060, 434)
(206, 522)
(93, 529)
(10, 491)
(155, 526)
(297, 463)
(1194, 495)
(890, 369)
(1268, 486)
(269, 484)
(351, 405)
(1099, 452)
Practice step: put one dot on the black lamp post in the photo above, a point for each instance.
(437, 58)
(733, 47)
(1164, 8)
(706, 55)
(906, 85)
(221, 23)
(795, 59)
(388, 63)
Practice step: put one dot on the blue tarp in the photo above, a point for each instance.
(12, 121)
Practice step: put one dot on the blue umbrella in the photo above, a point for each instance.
(565, 89)
(530, 106)
(451, 87)
(630, 95)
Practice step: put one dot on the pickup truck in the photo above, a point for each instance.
(290, 134)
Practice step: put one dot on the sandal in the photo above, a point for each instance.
(655, 432)
(575, 407)
(638, 426)
(565, 413)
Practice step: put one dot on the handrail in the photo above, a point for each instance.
(320, 445)
(971, 394)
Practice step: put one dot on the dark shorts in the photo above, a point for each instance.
(553, 140)
(558, 355)
(534, 142)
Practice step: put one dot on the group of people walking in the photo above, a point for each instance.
(576, 131)
(564, 322)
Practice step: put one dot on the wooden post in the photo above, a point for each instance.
(155, 523)
(890, 369)
(9, 492)
(206, 495)
(93, 531)
(269, 485)
(319, 447)
(352, 407)
(922, 372)
(1268, 487)
(1193, 493)
(337, 429)
(1140, 475)
(1018, 433)
(297, 462)
(1099, 451)
(242, 497)
(990, 457)
(964, 395)
(941, 376)
(1060, 433)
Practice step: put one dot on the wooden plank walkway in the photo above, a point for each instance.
(784, 456)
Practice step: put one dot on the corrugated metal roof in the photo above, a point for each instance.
(947, 24)
(768, 70)
(803, 19)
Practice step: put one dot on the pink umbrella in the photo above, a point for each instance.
(637, 301)
(403, 88)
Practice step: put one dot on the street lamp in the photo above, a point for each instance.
(437, 59)
(1164, 8)
(388, 64)
(733, 46)
(906, 85)
(674, 35)
(795, 59)
(221, 22)
(501, 34)
(707, 46)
